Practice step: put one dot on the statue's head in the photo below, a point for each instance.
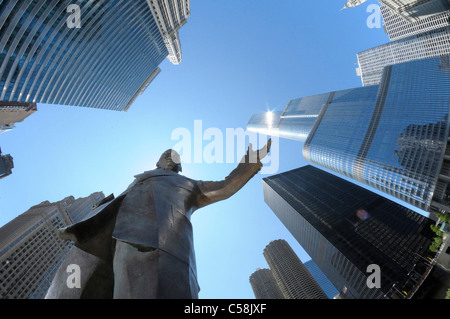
(170, 160)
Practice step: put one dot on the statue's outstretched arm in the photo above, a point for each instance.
(250, 165)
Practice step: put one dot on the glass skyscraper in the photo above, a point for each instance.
(433, 43)
(103, 56)
(415, 10)
(398, 28)
(295, 122)
(393, 136)
(397, 142)
(346, 228)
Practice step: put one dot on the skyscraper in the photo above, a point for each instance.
(347, 229)
(6, 165)
(353, 3)
(433, 43)
(14, 112)
(321, 279)
(398, 28)
(99, 54)
(290, 273)
(393, 136)
(295, 122)
(264, 285)
(81, 207)
(396, 143)
(415, 10)
(170, 17)
(30, 250)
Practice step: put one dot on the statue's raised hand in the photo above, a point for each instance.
(255, 156)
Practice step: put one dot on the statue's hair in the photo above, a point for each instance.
(170, 160)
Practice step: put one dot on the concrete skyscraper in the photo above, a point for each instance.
(264, 285)
(14, 112)
(347, 229)
(426, 36)
(290, 273)
(415, 10)
(100, 54)
(30, 250)
(398, 28)
(433, 43)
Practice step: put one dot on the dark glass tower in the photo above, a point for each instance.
(346, 228)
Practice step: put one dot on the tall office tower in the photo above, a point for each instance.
(398, 28)
(295, 122)
(393, 136)
(321, 279)
(347, 229)
(100, 54)
(415, 10)
(170, 17)
(353, 3)
(434, 43)
(30, 250)
(81, 207)
(13, 112)
(292, 277)
(6, 165)
(264, 285)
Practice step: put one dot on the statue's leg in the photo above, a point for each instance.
(150, 274)
(78, 273)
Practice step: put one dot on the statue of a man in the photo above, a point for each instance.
(140, 244)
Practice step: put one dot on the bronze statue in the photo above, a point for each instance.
(140, 244)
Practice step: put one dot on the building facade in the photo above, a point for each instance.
(353, 3)
(415, 10)
(170, 17)
(346, 228)
(295, 122)
(81, 207)
(398, 28)
(321, 279)
(264, 285)
(14, 112)
(30, 250)
(433, 43)
(397, 142)
(6, 165)
(393, 136)
(290, 273)
(99, 54)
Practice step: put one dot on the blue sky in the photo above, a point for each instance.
(239, 58)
